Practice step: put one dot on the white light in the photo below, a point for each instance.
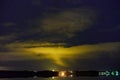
(53, 77)
(53, 70)
(71, 71)
(71, 75)
(62, 74)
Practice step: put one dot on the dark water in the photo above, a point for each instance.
(79, 64)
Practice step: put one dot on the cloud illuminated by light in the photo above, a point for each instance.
(56, 52)
(81, 51)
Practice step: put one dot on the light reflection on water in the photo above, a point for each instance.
(52, 79)
(47, 64)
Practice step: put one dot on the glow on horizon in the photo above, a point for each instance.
(59, 53)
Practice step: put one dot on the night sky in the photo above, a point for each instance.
(60, 35)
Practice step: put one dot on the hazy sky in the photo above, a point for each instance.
(59, 34)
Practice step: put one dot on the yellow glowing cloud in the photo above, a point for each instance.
(58, 53)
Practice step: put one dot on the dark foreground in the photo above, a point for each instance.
(48, 73)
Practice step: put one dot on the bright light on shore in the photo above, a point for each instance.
(53, 77)
(53, 70)
(62, 74)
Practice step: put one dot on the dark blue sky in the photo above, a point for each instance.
(105, 27)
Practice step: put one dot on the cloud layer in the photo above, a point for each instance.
(57, 52)
(68, 22)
